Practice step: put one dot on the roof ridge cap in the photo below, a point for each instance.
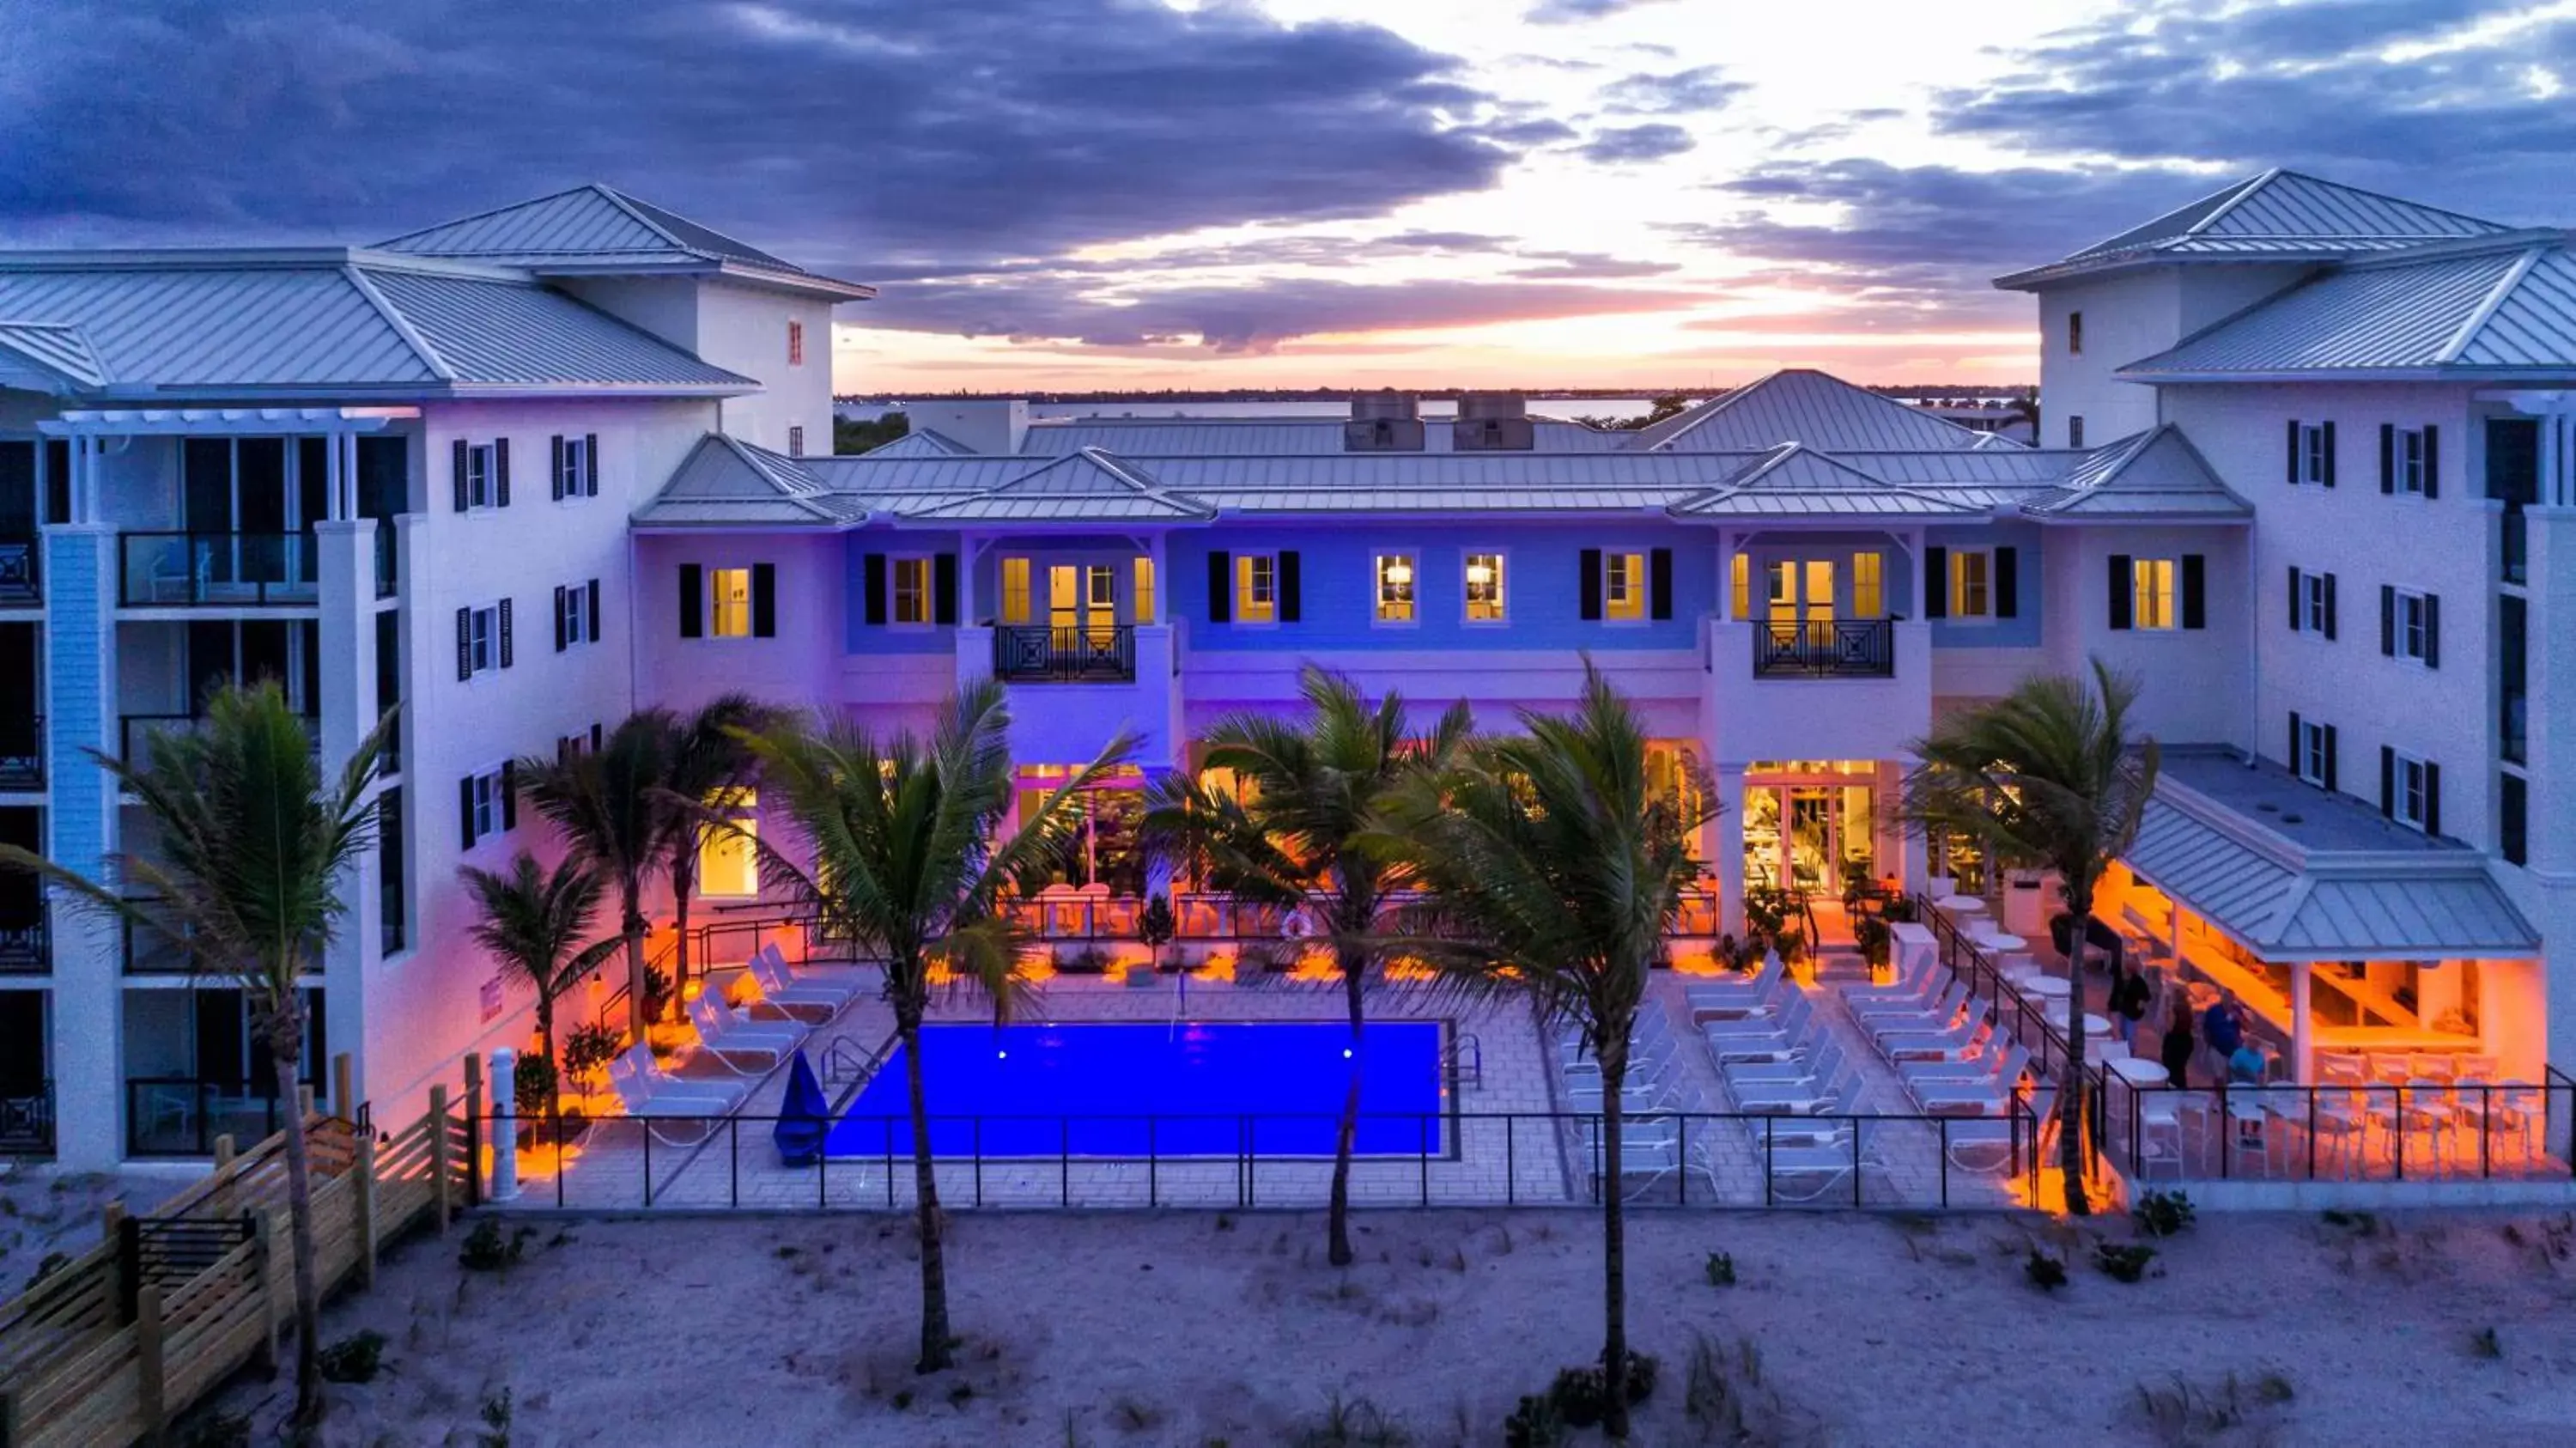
(430, 356)
(479, 215)
(618, 199)
(2243, 190)
(2484, 312)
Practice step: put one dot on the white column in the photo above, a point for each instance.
(505, 1125)
(1725, 575)
(345, 635)
(2300, 1052)
(88, 1056)
(1727, 846)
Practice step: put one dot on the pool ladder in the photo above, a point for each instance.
(847, 1060)
(1467, 1060)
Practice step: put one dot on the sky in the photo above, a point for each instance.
(1146, 194)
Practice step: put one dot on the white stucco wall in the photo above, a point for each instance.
(2127, 317)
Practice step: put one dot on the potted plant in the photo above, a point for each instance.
(1156, 928)
(533, 1092)
(1877, 944)
(1792, 946)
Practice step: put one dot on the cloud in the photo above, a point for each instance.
(1701, 88)
(1652, 142)
(1590, 266)
(1242, 319)
(1568, 12)
(880, 130)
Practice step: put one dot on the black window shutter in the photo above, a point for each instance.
(509, 794)
(590, 618)
(764, 600)
(2298, 764)
(2388, 457)
(2432, 798)
(2195, 591)
(2513, 822)
(2330, 606)
(505, 633)
(465, 643)
(501, 471)
(943, 588)
(873, 581)
(1220, 586)
(2294, 450)
(2330, 455)
(555, 474)
(2388, 620)
(2432, 461)
(560, 619)
(594, 736)
(2294, 599)
(1936, 583)
(1292, 598)
(2432, 631)
(1589, 581)
(2122, 581)
(2387, 782)
(590, 464)
(2334, 753)
(2007, 583)
(1659, 582)
(693, 601)
(464, 465)
(465, 808)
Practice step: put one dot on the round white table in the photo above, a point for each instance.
(1998, 942)
(2052, 987)
(2138, 1071)
(1958, 905)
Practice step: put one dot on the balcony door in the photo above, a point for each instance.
(1802, 594)
(1082, 603)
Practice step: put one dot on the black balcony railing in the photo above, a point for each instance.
(1032, 654)
(1825, 649)
(26, 948)
(27, 1121)
(388, 573)
(18, 579)
(215, 570)
(22, 752)
(182, 1116)
(135, 729)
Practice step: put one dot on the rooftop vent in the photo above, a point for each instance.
(1384, 422)
(1493, 422)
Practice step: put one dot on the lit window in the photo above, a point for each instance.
(1743, 583)
(1015, 590)
(912, 590)
(1485, 588)
(796, 344)
(1972, 573)
(729, 857)
(1144, 590)
(1395, 588)
(1623, 586)
(1256, 588)
(730, 590)
(1869, 588)
(2151, 593)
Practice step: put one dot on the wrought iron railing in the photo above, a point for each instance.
(182, 1115)
(20, 581)
(27, 948)
(1036, 654)
(215, 570)
(22, 752)
(27, 1122)
(1825, 649)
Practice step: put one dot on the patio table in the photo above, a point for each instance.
(1960, 905)
(2139, 1072)
(2053, 987)
(1998, 942)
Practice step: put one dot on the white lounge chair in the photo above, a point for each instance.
(726, 1035)
(793, 993)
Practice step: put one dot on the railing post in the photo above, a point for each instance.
(263, 1260)
(364, 1188)
(149, 1384)
(473, 1128)
(344, 1101)
(438, 1154)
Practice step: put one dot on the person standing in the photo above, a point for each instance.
(2180, 1038)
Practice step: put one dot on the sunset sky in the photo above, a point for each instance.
(1241, 193)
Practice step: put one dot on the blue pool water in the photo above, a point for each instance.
(1272, 1088)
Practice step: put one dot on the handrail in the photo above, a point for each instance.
(21, 569)
(188, 569)
(1041, 653)
(1845, 648)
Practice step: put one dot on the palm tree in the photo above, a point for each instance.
(1552, 871)
(616, 818)
(1291, 833)
(908, 852)
(247, 874)
(707, 761)
(2048, 776)
(534, 922)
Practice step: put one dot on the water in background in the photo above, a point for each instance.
(1567, 407)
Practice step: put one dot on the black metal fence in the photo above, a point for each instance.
(27, 1122)
(21, 578)
(1850, 648)
(182, 1115)
(1039, 654)
(2420, 1131)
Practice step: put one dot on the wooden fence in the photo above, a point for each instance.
(108, 1348)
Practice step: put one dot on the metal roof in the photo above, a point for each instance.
(921, 442)
(56, 348)
(1799, 481)
(1274, 436)
(2154, 474)
(727, 482)
(597, 229)
(491, 333)
(2298, 873)
(1088, 487)
(2506, 306)
(1802, 405)
(2280, 215)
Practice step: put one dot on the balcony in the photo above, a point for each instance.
(1037, 654)
(1825, 649)
(216, 570)
(388, 571)
(27, 949)
(135, 729)
(18, 577)
(27, 1122)
(22, 752)
(182, 1116)
(2515, 564)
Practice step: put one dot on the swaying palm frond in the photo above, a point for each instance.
(533, 922)
(614, 814)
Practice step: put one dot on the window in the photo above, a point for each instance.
(729, 855)
(2312, 603)
(2075, 430)
(2406, 459)
(1972, 576)
(486, 800)
(1015, 590)
(729, 590)
(1394, 575)
(393, 919)
(1256, 588)
(796, 344)
(2151, 593)
(576, 614)
(1144, 590)
(482, 640)
(2513, 819)
(2410, 626)
(2410, 799)
(2312, 752)
(2312, 453)
(576, 469)
(2075, 336)
(1741, 582)
(912, 590)
(1485, 588)
(2410, 460)
(1623, 586)
(482, 475)
(796, 442)
(1869, 586)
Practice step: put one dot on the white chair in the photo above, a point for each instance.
(790, 991)
(726, 1035)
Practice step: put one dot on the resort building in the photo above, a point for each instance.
(297, 463)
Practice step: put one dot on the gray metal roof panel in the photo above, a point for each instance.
(921, 442)
(1273, 437)
(2156, 473)
(1796, 480)
(508, 334)
(2284, 214)
(2358, 318)
(57, 347)
(211, 325)
(2533, 324)
(1805, 406)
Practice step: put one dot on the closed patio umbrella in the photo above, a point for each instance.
(802, 1116)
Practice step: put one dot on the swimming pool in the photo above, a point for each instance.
(1211, 1088)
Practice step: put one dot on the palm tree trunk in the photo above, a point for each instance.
(935, 1351)
(2071, 1084)
(636, 1019)
(546, 1036)
(682, 886)
(1338, 1217)
(285, 1045)
(1614, 1240)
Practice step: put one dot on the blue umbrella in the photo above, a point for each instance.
(802, 1116)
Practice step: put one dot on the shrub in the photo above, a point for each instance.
(2182, 1414)
(1727, 1400)
(2486, 1344)
(1873, 938)
(585, 1051)
(1090, 960)
(1356, 1423)
(496, 1420)
(2045, 1272)
(1534, 1424)
(1721, 1269)
(353, 1359)
(1582, 1395)
(657, 992)
(2164, 1214)
(2122, 1261)
(534, 1088)
(1156, 927)
(486, 1249)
